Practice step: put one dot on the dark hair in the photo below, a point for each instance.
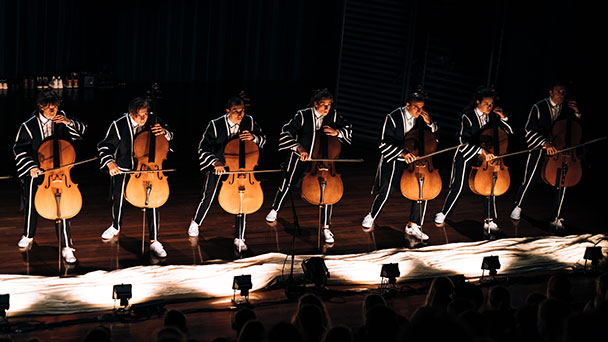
(480, 93)
(415, 97)
(138, 103)
(48, 97)
(320, 94)
(234, 101)
(176, 319)
(241, 317)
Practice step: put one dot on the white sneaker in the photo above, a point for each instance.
(516, 213)
(193, 229)
(558, 225)
(439, 218)
(490, 226)
(157, 248)
(368, 221)
(240, 245)
(328, 235)
(68, 255)
(25, 241)
(414, 230)
(272, 216)
(109, 233)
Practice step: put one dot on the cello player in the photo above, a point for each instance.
(473, 120)
(46, 122)
(538, 130)
(116, 156)
(393, 158)
(211, 160)
(297, 137)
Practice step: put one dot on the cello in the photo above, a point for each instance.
(563, 169)
(322, 184)
(58, 197)
(421, 180)
(241, 193)
(148, 186)
(491, 177)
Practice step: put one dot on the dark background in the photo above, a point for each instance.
(202, 52)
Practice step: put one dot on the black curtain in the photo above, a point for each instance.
(177, 41)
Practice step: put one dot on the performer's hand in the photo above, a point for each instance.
(330, 131)
(113, 169)
(158, 130)
(573, 105)
(60, 118)
(551, 150)
(487, 155)
(303, 154)
(246, 135)
(409, 157)
(498, 111)
(219, 168)
(425, 115)
(35, 172)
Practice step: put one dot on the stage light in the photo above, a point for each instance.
(243, 284)
(315, 271)
(122, 292)
(389, 274)
(490, 263)
(4, 304)
(594, 254)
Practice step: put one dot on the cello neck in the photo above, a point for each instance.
(56, 157)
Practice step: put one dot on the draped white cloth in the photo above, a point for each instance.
(93, 291)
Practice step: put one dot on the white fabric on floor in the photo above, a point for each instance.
(93, 291)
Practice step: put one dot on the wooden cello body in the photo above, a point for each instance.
(241, 193)
(58, 197)
(491, 178)
(323, 184)
(148, 189)
(420, 180)
(563, 169)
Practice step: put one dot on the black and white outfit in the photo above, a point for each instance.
(32, 133)
(472, 122)
(300, 132)
(117, 146)
(391, 165)
(538, 130)
(210, 150)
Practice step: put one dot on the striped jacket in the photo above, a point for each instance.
(300, 131)
(539, 124)
(30, 137)
(470, 130)
(393, 134)
(117, 146)
(217, 134)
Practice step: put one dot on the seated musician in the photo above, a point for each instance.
(538, 134)
(45, 123)
(394, 157)
(235, 123)
(116, 156)
(473, 120)
(297, 137)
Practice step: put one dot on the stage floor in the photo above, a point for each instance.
(214, 246)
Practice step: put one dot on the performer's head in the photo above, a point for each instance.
(321, 99)
(138, 110)
(414, 103)
(484, 99)
(235, 109)
(48, 103)
(558, 92)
